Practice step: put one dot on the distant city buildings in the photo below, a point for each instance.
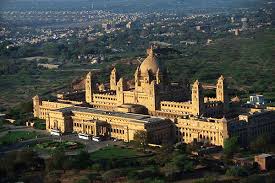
(232, 20)
(129, 25)
(237, 32)
(169, 25)
(49, 66)
(244, 23)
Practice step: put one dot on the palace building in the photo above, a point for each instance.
(165, 110)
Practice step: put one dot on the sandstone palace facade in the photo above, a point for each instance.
(175, 112)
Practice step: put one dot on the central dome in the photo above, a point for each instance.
(150, 63)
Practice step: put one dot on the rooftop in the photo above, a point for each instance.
(137, 117)
(264, 155)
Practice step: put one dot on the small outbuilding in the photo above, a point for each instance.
(264, 161)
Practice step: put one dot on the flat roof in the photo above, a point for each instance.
(264, 155)
(139, 117)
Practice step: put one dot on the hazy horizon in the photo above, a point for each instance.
(125, 5)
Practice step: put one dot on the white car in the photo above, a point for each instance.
(55, 132)
(96, 139)
(84, 136)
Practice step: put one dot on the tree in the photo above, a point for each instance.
(230, 146)
(236, 171)
(1, 123)
(141, 138)
(182, 148)
(171, 171)
(194, 146)
(97, 167)
(16, 163)
(260, 144)
(165, 153)
(82, 160)
(113, 174)
(67, 165)
(207, 179)
(93, 176)
(58, 158)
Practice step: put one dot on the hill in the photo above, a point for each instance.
(248, 61)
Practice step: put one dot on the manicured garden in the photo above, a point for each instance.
(15, 136)
(55, 145)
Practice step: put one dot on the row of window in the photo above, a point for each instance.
(90, 127)
(167, 115)
(114, 130)
(78, 125)
(201, 137)
(181, 112)
(108, 103)
(176, 106)
(195, 130)
(105, 98)
(211, 105)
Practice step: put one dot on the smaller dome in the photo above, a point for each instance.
(150, 63)
(236, 99)
(223, 120)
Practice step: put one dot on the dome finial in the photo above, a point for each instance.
(149, 63)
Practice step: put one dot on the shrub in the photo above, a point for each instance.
(96, 167)
(206, 180)
(94, 176)
(83, 180)
(231, 146)
(40, 126)
(113, 174)
(236, 172)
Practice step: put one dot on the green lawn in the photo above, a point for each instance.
(16, 136)
(113, 153)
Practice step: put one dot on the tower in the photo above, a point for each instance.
(197, 99)
(101, 87)
(221, 92)
(36, 106)
(89, 88)
(137, 78)
(119, 91)
(220, 89)
(153, 97)
(159, 77)
(113, 79)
